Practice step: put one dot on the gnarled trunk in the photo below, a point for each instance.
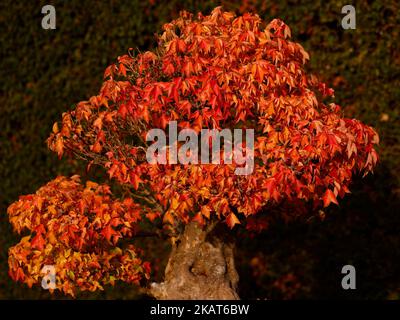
(201, 266)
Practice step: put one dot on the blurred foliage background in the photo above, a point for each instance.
(44, 72)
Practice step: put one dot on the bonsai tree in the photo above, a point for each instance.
(207, 72)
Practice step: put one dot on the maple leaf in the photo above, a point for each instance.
(59, 147)
(232, 220)
(152, 216)
(108, 232)
(38, 242)
(329, 197)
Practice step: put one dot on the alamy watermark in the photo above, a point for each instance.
(349, 20)
(349, 280)
(196, 147)
(49, 20)
(49, 279)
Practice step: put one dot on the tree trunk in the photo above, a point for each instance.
(201, 266)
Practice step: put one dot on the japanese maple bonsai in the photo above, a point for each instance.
(217, 71)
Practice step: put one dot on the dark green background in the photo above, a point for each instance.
(44, 72)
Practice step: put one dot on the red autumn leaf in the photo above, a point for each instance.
(108, 232)
(96, 147)
(152, 216)
(329, 197)
(198, 218)
(232, 220)
(19, 275)
(59, 147)
(38, 242)
(40, 229)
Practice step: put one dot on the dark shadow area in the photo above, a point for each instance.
(298, 260)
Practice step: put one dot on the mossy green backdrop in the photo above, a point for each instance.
(44, 72)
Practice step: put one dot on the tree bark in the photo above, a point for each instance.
(201, 266)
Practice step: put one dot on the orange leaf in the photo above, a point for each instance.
(329, 197)
(38, 242)
(108, 232)
(232, 220)
(59, 146)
